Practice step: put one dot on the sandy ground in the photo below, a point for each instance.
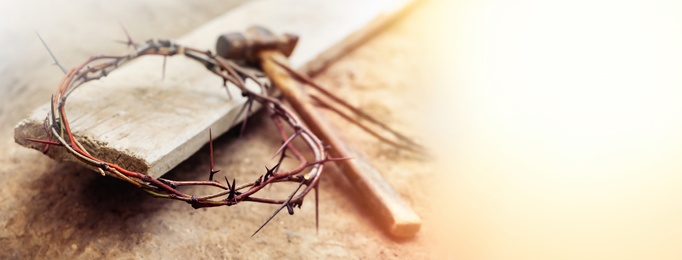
(60, 210)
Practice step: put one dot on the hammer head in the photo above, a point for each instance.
(245, 46)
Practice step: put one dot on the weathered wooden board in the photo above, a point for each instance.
(146, 124)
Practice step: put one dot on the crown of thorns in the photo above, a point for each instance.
(306, 174)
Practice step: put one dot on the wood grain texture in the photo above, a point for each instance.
(135, 119)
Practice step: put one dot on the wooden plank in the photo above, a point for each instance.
(146, 124)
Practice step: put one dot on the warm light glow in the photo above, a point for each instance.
(563, 124)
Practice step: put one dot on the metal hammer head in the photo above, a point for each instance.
(245, 46)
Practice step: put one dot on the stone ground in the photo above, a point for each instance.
(60, 210)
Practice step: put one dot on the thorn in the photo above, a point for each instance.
(210, 148)
(229, 94)
(233, 188)
(286, 143)
(266, 177)
(239, 114)
(285, 204)
(279, 162)
(130, 41)
(269, 172)
(54, 118)
(43, 141)
(248, 113)
(49, 134)
(228, 183)
(56, 62)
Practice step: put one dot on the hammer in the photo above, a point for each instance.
(260, 46)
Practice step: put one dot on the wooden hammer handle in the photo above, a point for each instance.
(397, 217)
